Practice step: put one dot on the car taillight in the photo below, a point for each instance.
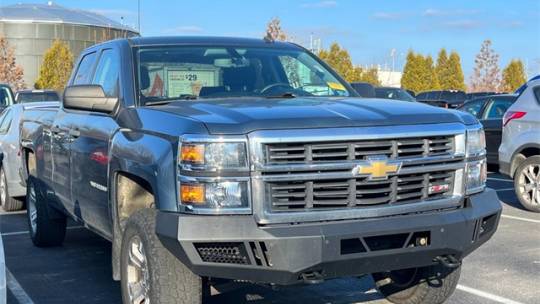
(511, 115)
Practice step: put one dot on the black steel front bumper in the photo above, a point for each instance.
(235, 247)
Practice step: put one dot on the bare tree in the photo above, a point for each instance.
(274, 32)
(10, 72)
(486, 76)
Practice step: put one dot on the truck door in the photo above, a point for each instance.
(89, 150)
(61, 141)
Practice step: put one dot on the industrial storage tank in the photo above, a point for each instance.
(32, 28)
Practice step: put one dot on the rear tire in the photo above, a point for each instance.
(527, 183)
(426, 285)
(8, 203)
(45, 231)
(150, 273)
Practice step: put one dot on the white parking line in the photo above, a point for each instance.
(26, 232)
(520, 218)
(486, 295)
(500, 179)
(16, 289)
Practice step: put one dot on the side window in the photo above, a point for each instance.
(537, 93)
(473, 107)
(497, 108)
(107, 72)
(84, 70)
(6, 122)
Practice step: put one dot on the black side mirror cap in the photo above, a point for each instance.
(89, 98)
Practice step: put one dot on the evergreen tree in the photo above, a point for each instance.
(340, 60)
(56, 67)
(431, 81)
(455, 80)
(442, 69)
(513, 76)
(410, 79)
(486, 76)
(10, 72)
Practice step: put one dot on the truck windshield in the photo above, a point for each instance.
(179, 72)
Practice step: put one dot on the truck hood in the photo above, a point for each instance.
(244, 115)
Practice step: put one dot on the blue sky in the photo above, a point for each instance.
(368, 29)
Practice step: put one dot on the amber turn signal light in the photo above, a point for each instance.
(192, 153)
(192, 194)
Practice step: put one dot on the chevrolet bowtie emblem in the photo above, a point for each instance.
(377, 168)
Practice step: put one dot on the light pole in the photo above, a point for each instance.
(139, 16)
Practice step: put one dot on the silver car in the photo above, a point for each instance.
(519, 153)
(11, 186)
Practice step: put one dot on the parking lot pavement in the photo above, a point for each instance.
(504, 270)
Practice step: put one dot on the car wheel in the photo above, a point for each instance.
(149, 272)
(8, 203)
(429, 285)
(45, 230)
(527, 183)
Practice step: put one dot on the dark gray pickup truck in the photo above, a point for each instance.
(212, 159)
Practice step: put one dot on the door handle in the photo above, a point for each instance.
(55, 129)
(74, 133)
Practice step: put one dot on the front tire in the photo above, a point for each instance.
(8, 203)
(426, 285)
(45, 231)
(527, 183)
(149, 272)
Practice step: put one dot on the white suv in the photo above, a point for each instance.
(519, 153)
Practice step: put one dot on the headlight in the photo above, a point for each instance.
(476, 142)
(476, 170)
(215, 197)
(213, 175)
(213, 156)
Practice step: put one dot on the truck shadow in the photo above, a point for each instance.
(339, 291)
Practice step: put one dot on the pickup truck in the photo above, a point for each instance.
(206, 160)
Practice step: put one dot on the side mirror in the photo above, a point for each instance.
(88, 97)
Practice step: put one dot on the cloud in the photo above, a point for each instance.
(462, 24)
(320, 4)
(513, 24)
(433, 12)
(184, 29)
(388, 16)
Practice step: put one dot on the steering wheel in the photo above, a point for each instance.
(275, 85)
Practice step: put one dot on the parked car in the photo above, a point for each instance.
(490, 111)
(6, 96)
(12, 190)
(26, 96)
(519, 153)
(393, 93)
(446, 99)
(474, 95)
(198, 164)
(412, 93)
(364, 89)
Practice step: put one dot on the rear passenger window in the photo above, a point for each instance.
(6, 122)
(537, 94)
(84, 70)
(497, 108)
(107, 72)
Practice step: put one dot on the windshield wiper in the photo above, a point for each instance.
(284, 95)
(169, 100)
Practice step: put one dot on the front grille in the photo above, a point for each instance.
(283, 153)
(358, 192)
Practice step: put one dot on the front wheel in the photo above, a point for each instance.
(527, 183)
(149, 272)
(426, 285)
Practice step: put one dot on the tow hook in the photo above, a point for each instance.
(448, 260)
(313, 277)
